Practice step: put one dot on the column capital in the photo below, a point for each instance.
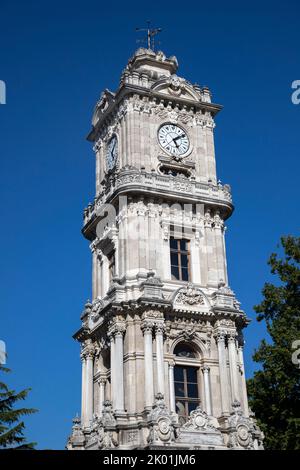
(94, 245)
(218, 223)
(116, 329)
(159, 328)
(220, 336)
(208, 220)
(101, 381)
(205, 369)
(147, 327)
(231, 336)
(172, 363)
(88, 351)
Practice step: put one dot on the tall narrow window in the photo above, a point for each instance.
(180, 259)
(186, 391)
(111, 265)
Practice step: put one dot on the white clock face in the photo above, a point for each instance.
(173, 139)
(112, 153)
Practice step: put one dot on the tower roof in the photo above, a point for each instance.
(146, 59)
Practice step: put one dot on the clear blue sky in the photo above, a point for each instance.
(56, 58)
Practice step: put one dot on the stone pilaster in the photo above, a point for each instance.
(159, 338)
(89, 390)
(147, 328)
(101, 383)
(83, 388)
(224, 388)
(116, 333)
(207, 391)
(233, 366)
(171, 387)
(243, 380)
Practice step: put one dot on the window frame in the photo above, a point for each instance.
(179, 252)
(186, 400)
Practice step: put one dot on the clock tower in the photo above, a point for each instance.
(161, 339)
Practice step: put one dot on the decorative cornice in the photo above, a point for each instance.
(131, 180)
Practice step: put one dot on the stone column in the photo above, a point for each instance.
(243, 380)
(101, 383)
(223, 372)
(159, 332)
(94, 272)
(171, 385)
(233, 367)
(99, 260)
(218, 229)
(119, 369)
(206, 374)
(210, 249)
(115, 240)
(89, 394)
(148, 364)
(83, 389)
(112, 371)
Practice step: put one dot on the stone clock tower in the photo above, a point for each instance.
(161, 339)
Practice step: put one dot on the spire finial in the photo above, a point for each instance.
(151, 33)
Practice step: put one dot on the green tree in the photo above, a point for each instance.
(11, 425)
(274, 390)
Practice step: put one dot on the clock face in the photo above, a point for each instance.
(112, 153)
(173, 139)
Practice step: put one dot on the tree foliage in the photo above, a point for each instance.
(11, 424)
(274, 390)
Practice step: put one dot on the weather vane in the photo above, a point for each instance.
(151, 33)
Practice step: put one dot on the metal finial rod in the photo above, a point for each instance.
(151, 33)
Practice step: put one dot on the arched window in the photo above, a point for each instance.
(186, 381)
(184, 350)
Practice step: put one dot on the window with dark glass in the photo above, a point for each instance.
(180, 259)
(111, 265)
(186, 391)
(184, 350)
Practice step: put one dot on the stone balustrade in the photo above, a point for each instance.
(133, 179)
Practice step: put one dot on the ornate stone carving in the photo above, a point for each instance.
(100, 436)
(199, 429)
(159, 327)
(97, 146)
(77, 439)
(153, 314)
(88, 349)
(96, 308)
(218, 222)
(147, 326)
(188, 333)
(198, 419)
(116, 328)
(190, 295)
(242, 431)
(176, 85)
(225, 323)
(108, 416)
(160, 422)
(208, 220)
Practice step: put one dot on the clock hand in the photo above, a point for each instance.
(179, 137)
